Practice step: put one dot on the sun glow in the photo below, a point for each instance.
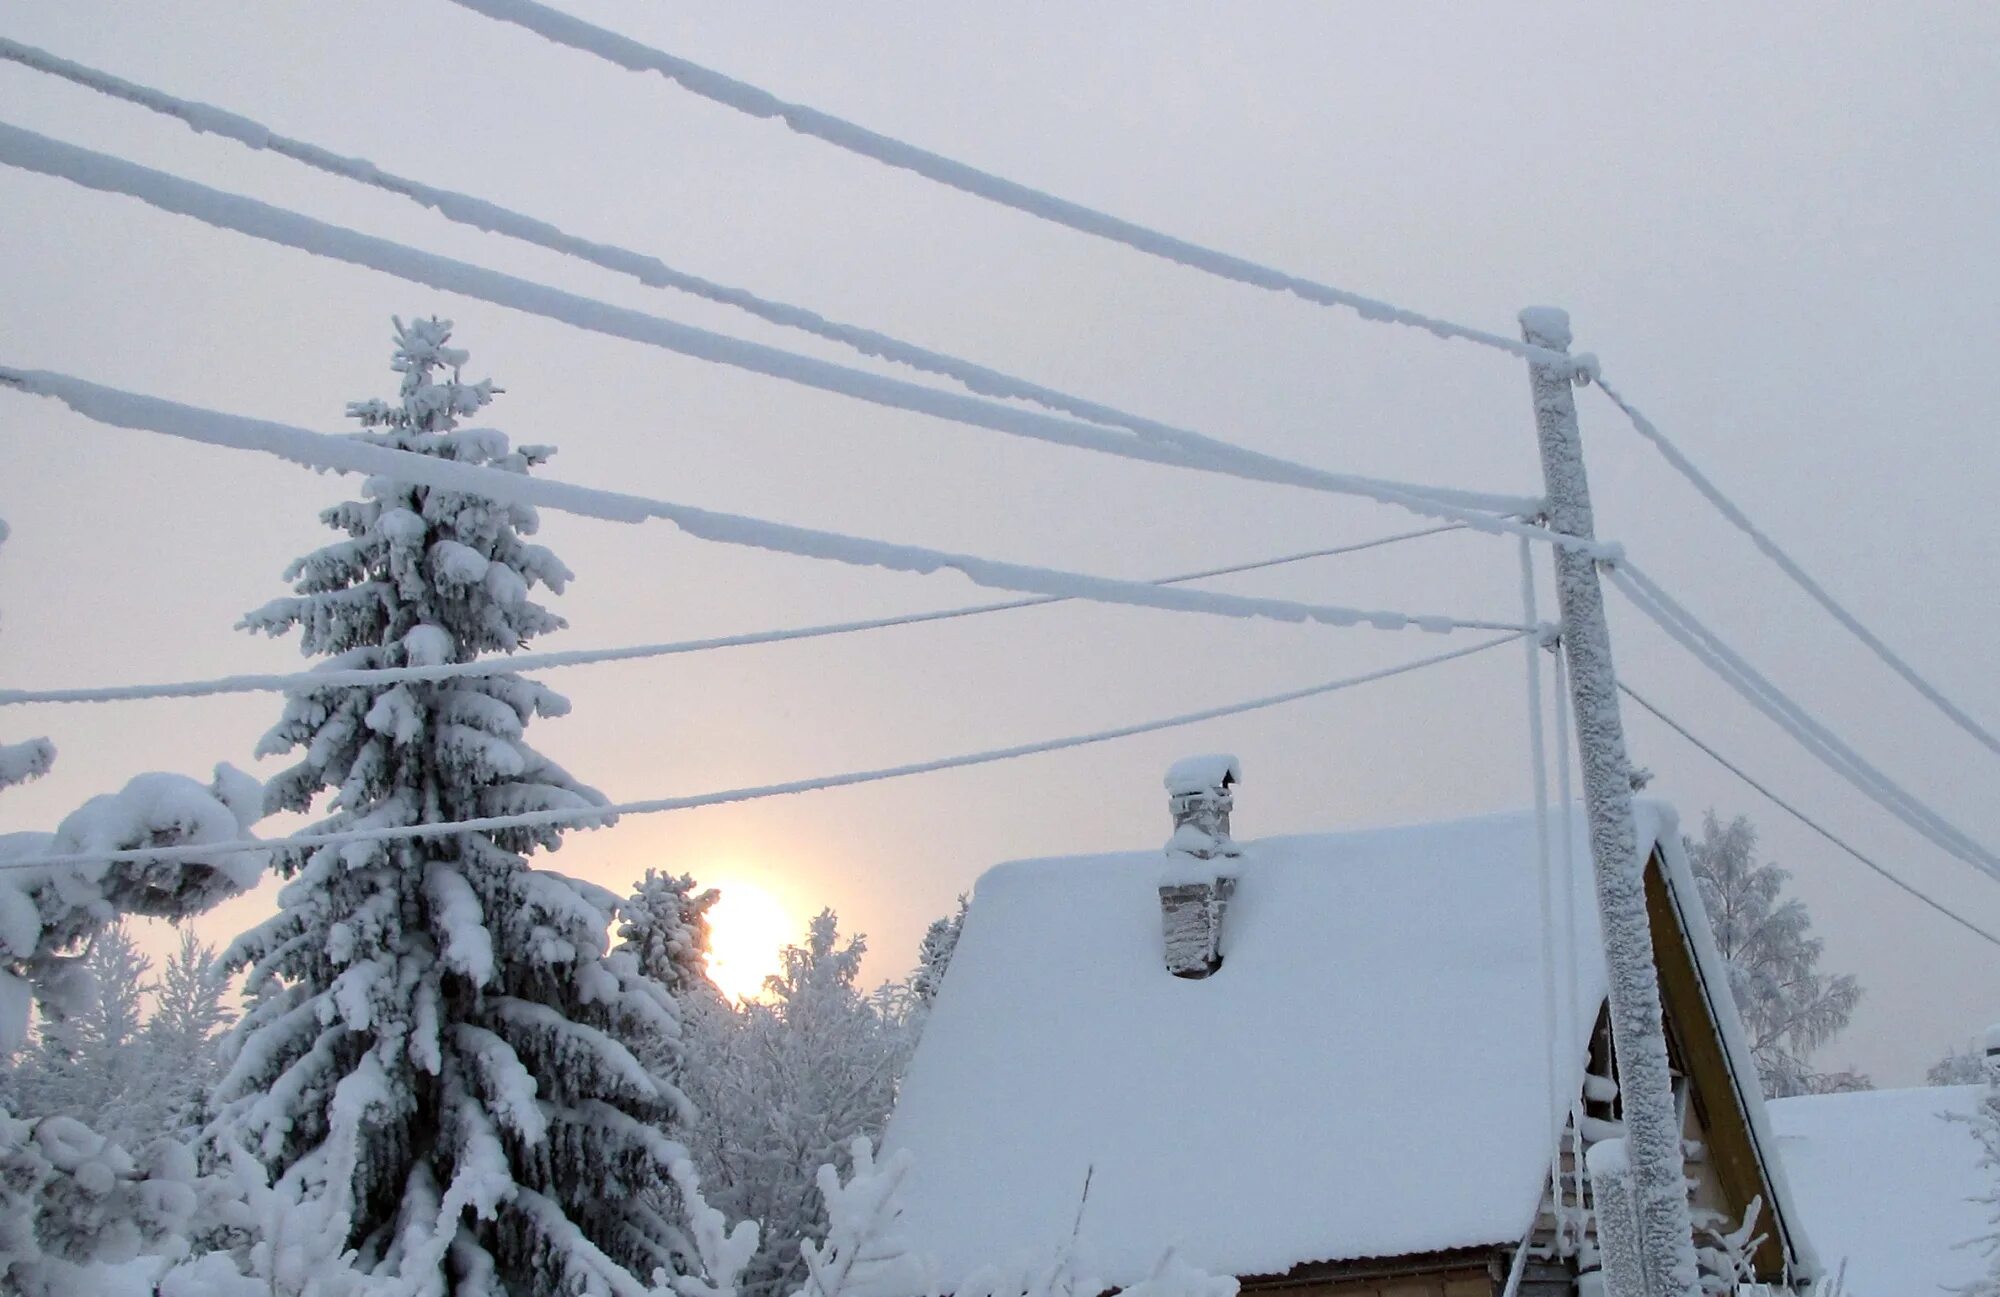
(746, 929)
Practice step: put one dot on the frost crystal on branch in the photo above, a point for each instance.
(434, 1068)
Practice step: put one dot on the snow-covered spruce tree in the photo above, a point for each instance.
(664, 923)
(182, 1035)
(784, 1086)
(86, 1063)
(934, 954)
(433, 1067)
(1789, 1008)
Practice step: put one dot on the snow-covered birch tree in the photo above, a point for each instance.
(434, 1067)
(1789, 1007)
(784, 1086)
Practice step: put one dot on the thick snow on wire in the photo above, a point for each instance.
(591, 814)
(629, 54)
(1756, 689)
(480, 214)
(318, 450)
(39, 153)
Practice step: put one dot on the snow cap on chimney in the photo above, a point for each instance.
(1199, 798)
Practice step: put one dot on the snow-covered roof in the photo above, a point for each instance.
(1364, 1076)
(1884, 1181)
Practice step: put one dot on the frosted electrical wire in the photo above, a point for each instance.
(32, 152)
(347, 454)
(307, 681)
(1653, 599)
(1786, 564)
(588, 814)
(563, 29)
(1801, 816)
(1538, 760)
(492, 218)
(1788, 715)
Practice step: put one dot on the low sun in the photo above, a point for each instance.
(747, 928)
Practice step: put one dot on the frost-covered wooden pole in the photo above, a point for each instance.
(1659, 1191)
(1617, 1227)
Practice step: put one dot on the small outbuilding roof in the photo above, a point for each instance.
(1886, 1182)
(1365, 1075)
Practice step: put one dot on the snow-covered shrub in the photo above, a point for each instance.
(71, 1199)
(434, 1066)
(1726, 1255)
(1961, 1066)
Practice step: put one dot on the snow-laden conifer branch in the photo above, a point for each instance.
(317, 450)
(1790, 567)
(483, 215)
(720, 1252)
(330, 677)
(1647, 596)
(745, 98)
(600, 813)
(862, 1254)
(39, 153)
(1802, 817)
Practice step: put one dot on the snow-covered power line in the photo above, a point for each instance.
(345, 454)
(326, 679)
(93, 170)
(1786, 564)
(589, 814)
(1757, 690)
(745, 98)
(1801, 816)
(483, 215)
(1709, 648)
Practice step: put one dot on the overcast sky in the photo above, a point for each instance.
(1775, 224)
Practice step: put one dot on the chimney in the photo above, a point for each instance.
(1992, 1051)
(1196, 894)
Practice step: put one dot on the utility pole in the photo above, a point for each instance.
(1652, 1122)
